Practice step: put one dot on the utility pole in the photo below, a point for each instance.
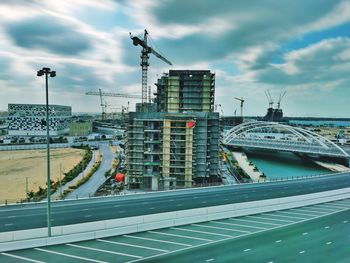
(27, 189)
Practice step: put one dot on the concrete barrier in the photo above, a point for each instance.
(100, 229)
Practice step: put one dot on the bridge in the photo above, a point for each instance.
(281, 137)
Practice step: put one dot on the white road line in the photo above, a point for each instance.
(314, 210)
(152, 208)
(302, 252)
(261, 217)
(337, 206)
(345, 221)
(328, 243)
(87, 216)
(11, 216)
(157, 240)
(121, 211)
(296, 213)
(284, 218)
(310, 213)
(305, 233)
(69, 255)
(202, 232)
(246, 250)
(278, 241)
(175, 235)
(221, 228)
(9, 224)
(290, 216)
(232, 224)
(250, 221)
(103, 250)
(209, 260)
(324, 209)
(85, 209)
(23, 258)
(116, 206)
(326, 227)
(131, 245)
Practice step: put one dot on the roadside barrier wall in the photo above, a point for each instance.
(15, 240)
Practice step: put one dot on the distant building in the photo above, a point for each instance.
(228, 122)
(80, 128)
(30, 119)
(169, 150)
(174, 142)
(186, 91)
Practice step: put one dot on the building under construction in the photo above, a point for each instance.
(177, 145)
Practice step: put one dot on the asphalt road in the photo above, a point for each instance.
(90, 187)
(321, 240)
(27, 216)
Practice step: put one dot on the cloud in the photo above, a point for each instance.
(48, 34)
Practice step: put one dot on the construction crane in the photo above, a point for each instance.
(280, 99)
(242, 101)
(269, 98)
(144, 60)
(103, 103)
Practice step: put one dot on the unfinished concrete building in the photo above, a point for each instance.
(178, 145)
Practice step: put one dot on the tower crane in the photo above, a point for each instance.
(242, 101)
(110, 94)
(146, 50)
(280, 99)
(269, 98)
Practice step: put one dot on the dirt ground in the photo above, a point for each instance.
(15, 166)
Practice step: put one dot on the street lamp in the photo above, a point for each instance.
(52, 74)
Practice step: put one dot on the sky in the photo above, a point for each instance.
(301, 47)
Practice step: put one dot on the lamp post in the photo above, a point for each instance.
(47, 72)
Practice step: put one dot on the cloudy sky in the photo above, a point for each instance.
(298, 46)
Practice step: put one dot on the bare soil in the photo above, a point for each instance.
(16, 166)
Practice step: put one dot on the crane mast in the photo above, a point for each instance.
(146, 50)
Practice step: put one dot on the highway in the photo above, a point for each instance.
(322, 240)
(26, 216)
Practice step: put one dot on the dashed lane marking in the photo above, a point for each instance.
(69, 255)
(284, 218)
(302, 252)
(10, 224)
(305, 233)
(202, 232)
(328, 243)
(103, 250)
(337, 206)
(209, 260)
(295, 213)
(232, 224)
(11, 216)
(157, 240)
(313, 210)
(131, 245)
(327, 210)
(345, 221)
(85, 209)
(246, 250)
(87, 216)
(278, 241)
(175, 235)
(222, 228)
(326, 227)
(116, 206)
(23, 258)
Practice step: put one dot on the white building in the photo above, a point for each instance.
(30, 119)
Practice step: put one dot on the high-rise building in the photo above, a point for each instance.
(175, 144)
(30, 119)
(186, 91)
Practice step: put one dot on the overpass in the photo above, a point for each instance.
(281, 137)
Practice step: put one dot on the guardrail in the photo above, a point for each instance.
(15, 240)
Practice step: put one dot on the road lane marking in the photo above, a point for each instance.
(309, 213)
(268, 216)
(337, 206)
(87, 216)
(278, 241)
(202, 232)
(295, 217)
(246, 250)
(232, 224)
(331, 207)
(296, 213)
(152, 208)
(116, 206)
(158, 240)
(272, 219)
(256, 222)
(326, 227)
(11, 216)
(328, 243)
(221, 228)
(175, 235)
(305, 233)
(302, 252)
(345, 221)
(322, 209)
(312, 210)
(69, 255)
(273, 215)
(85, 209)
(23, 258)
(103, 250)
(131, 245)
(209, 260)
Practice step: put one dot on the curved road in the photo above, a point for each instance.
(18, 217)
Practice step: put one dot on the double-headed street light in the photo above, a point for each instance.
(47, 72)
